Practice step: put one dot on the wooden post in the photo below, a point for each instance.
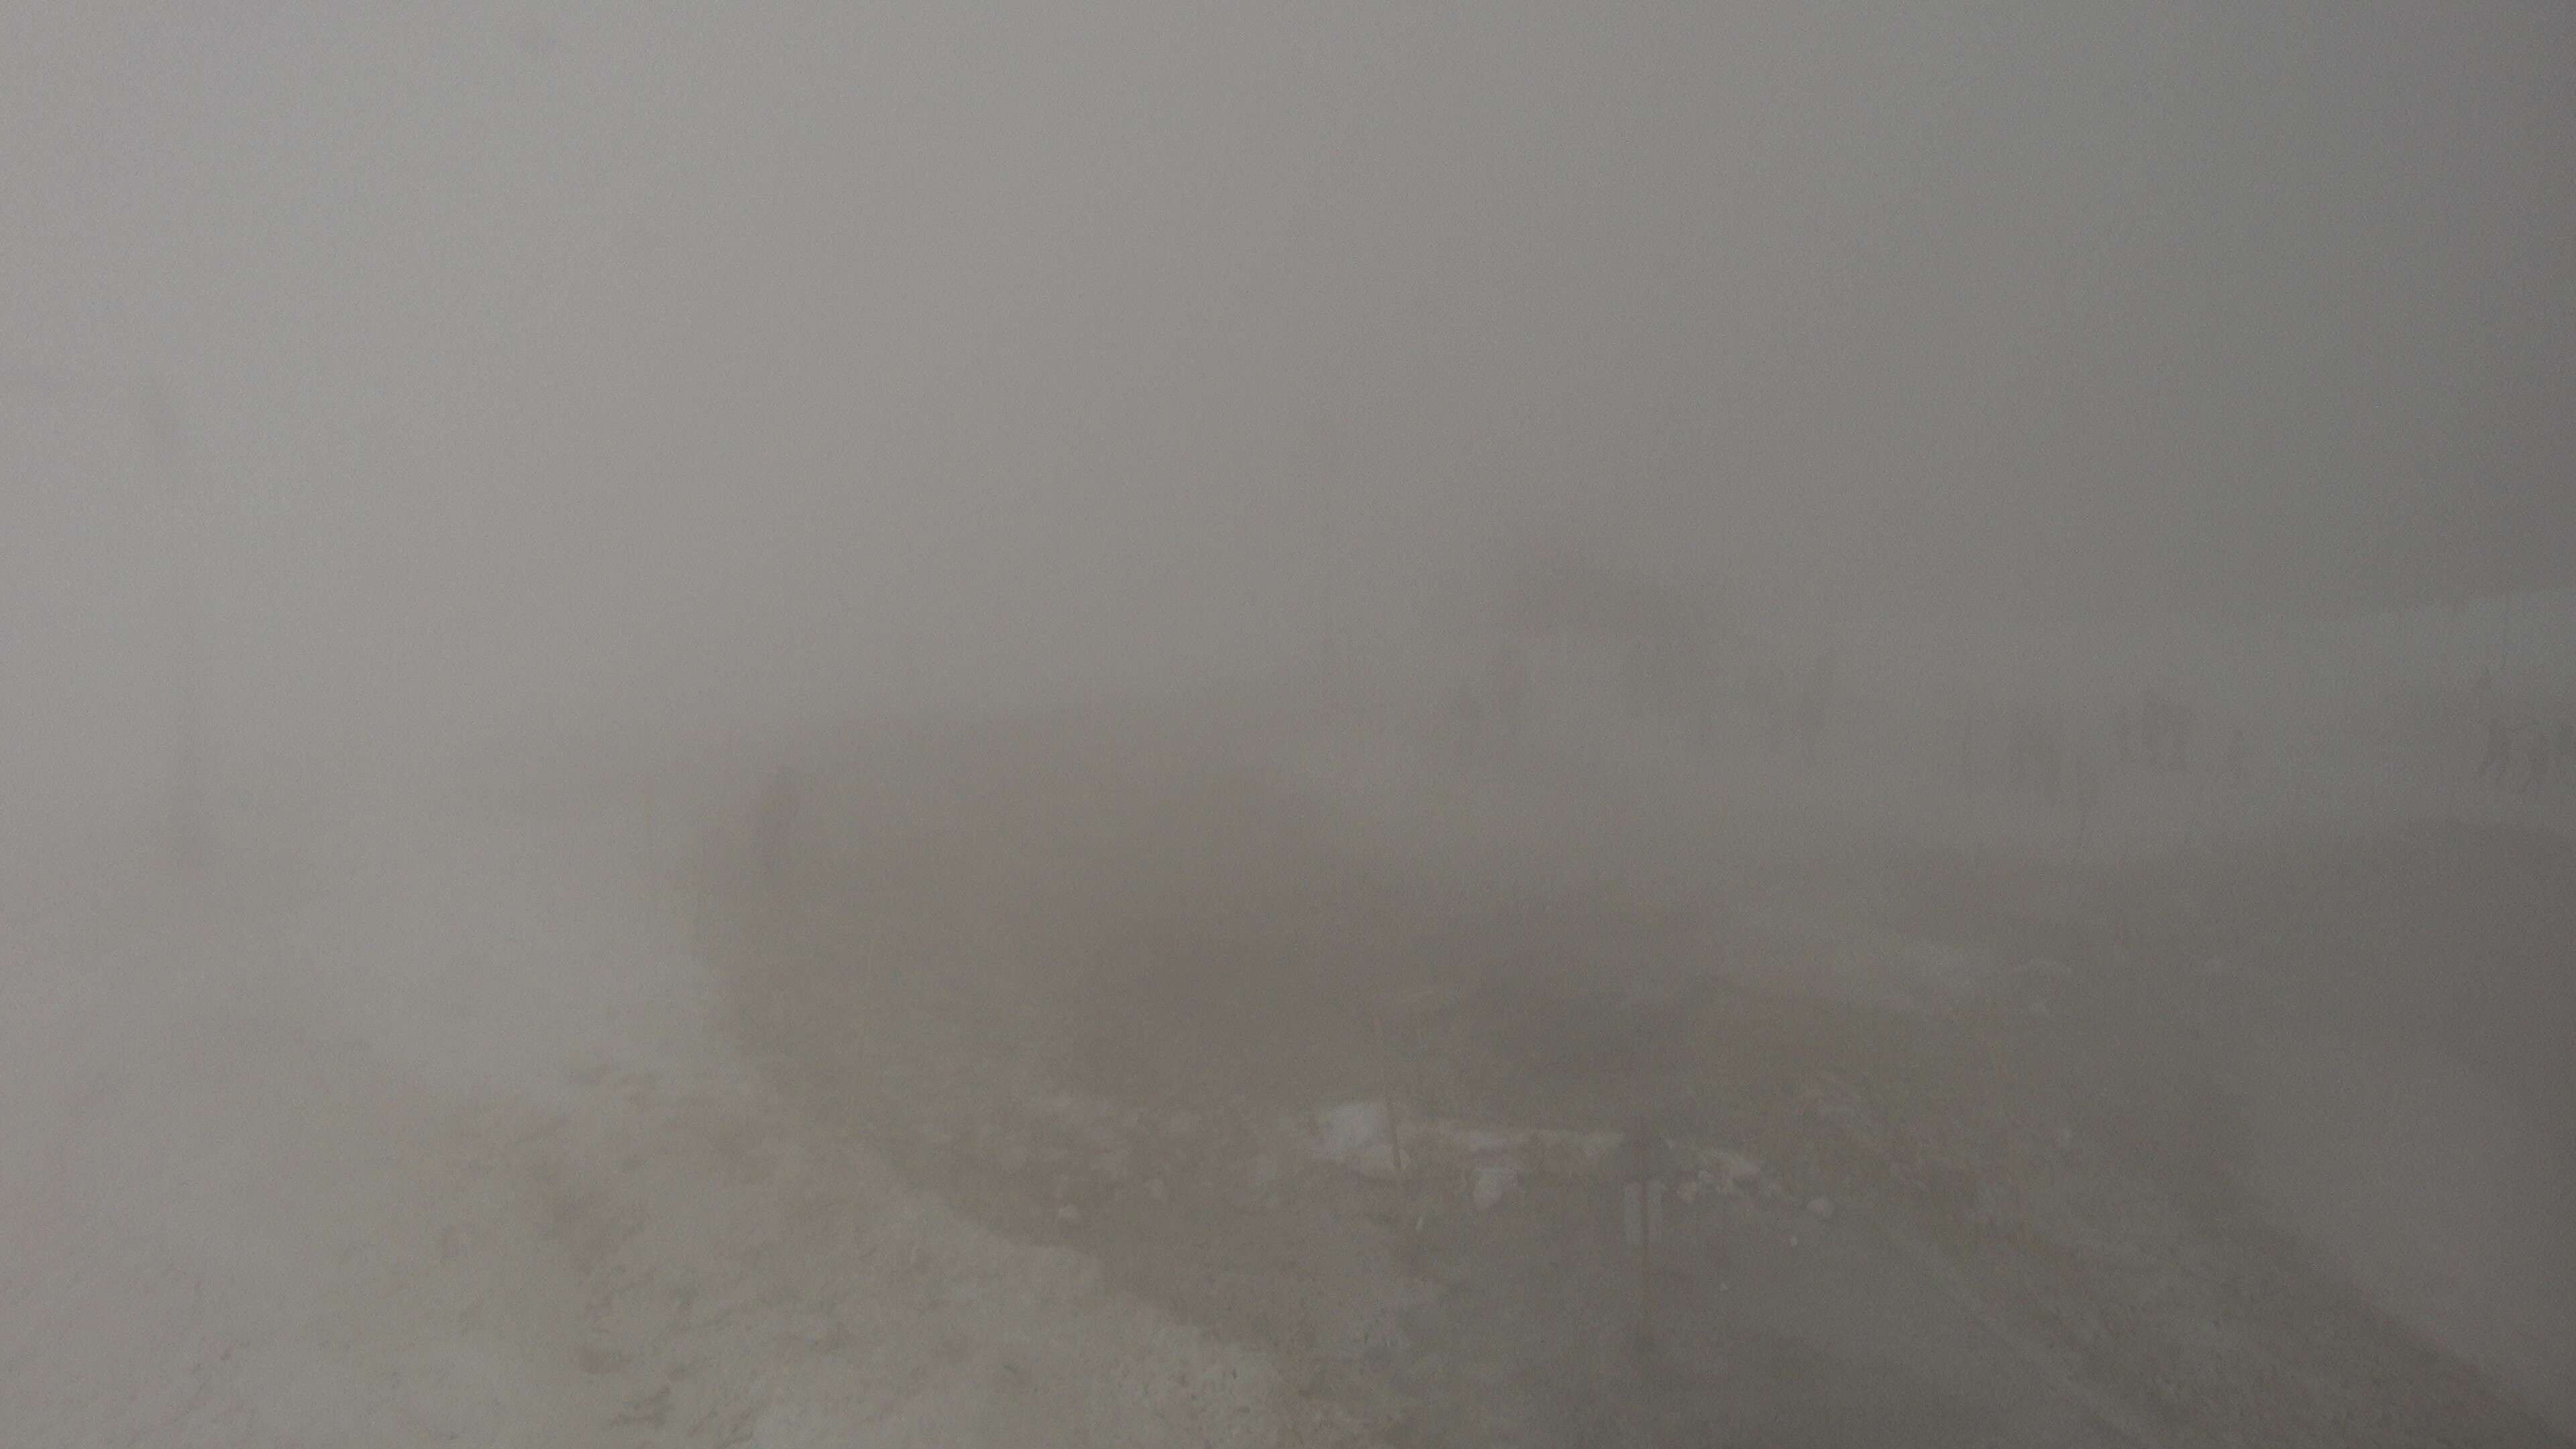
(1646, 1271)
(1394, 1131)
(1642, 1205)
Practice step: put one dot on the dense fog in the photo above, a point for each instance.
(812, 724)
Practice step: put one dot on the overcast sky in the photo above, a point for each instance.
(638, 337)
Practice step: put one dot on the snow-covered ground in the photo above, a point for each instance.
(414, 1127)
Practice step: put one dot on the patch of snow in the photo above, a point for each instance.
(1494, 1181)
(1733, 1169)
(1354, 1135)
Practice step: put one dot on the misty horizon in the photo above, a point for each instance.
(636, 335)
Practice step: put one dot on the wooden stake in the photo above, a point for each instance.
(1394, 1132)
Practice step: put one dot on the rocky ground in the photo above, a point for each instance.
(1033, 1087)
(1959, 1147)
